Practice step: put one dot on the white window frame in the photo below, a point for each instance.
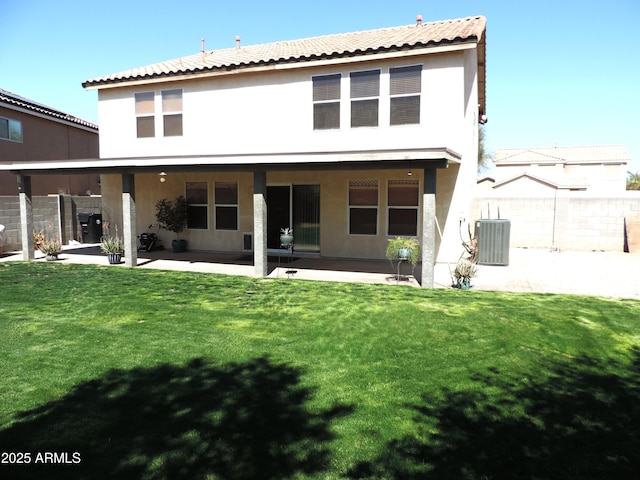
(416, 207)
(145, 114)
(11, 127)
(337, 100)
(226, 205)
(353, 100)
(206, 205)
(417, 94)
(172, 112)
(375, 207)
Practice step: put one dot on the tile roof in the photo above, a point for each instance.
(15, 100)
(562, 155)
(424, 35)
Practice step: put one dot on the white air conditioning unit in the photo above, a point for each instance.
(493, 241)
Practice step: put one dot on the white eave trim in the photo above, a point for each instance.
(240, 160)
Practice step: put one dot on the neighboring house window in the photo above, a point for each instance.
(402, 199)
(326, 102)
(145, 114)
(11, 130)
(226, 196)
(197, 196)
(405, 86)
(365, 90)
(172, 112)
(363, 207)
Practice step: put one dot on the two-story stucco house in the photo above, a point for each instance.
(33, 132)
(349, 139)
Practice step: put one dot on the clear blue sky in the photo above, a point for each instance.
(559, 72)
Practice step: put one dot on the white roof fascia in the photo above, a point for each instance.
(291, 159)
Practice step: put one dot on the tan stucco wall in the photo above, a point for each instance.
(334, 186)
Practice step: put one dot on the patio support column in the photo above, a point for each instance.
(260, 261)
(428, 228)
(129, 219)
(26, 217)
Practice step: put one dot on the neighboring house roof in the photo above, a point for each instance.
(612, 154)
(564, 183)
(409, 37)
(486, 179)
(17, 102)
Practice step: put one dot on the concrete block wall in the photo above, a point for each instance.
(52, 215)
(10, 218)
(571, 221)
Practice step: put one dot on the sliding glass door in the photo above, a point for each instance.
(306, 218)
(296, 206)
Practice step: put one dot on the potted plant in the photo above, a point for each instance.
(51, 249)
(113, 247)
(286, 236)
(403, 249)
(172, 215)
(465, 270)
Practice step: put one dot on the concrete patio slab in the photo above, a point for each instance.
(606, 274)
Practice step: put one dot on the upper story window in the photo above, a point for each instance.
(405, 86)
(365, 93)
(145, 120)
(326, 102)
(172, 112)
(11, 129)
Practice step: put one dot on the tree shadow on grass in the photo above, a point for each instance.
(580, 423)
(240, 421)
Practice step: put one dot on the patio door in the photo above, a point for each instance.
(278, 212)
(296, 206)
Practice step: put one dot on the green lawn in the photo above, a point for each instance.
(153, 374)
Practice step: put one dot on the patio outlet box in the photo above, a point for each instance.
(493, 241)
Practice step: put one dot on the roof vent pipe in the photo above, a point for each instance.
(418, 20)
(237, 41)
(202, 48)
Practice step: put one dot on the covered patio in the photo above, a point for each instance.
(298, 266)
(426, 161)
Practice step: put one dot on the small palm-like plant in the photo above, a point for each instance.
(51, 248)
(286, 236)
(464, 272)
(112, 245)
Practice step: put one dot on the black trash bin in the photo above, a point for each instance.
(91, 225)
